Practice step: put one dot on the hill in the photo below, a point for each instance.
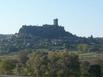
(52, 37)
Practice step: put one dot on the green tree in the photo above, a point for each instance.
(6, 67)
(37, 64)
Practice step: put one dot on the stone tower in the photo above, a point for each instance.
(55, 22)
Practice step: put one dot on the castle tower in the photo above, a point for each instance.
(55, 22)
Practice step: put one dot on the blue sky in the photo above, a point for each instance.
(80, 17)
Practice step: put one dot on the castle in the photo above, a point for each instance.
(55, 23)
(45, 30)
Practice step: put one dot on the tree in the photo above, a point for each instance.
(6, 67)
(95, 71)
(37, 64)
(84, 68)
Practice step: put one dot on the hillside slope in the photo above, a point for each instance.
(46, 36)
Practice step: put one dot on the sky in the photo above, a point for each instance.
(80, 17)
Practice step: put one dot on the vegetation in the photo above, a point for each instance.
(51, 64)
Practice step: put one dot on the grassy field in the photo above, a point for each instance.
(88, 56)
(82, 56)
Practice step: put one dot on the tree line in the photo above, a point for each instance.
(50, 64)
